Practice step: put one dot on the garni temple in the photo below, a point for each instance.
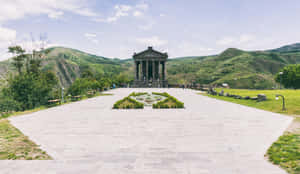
(150, 69)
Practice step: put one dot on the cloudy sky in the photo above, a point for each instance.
(117, 28)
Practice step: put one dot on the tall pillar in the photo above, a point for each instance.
(156, 70)
(163, 71)
(153, 70)
(141, 70)
(159, 71)
(147, 69)
(136, 70)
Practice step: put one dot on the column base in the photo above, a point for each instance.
(150, 84)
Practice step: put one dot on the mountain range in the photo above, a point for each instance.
(238, 68)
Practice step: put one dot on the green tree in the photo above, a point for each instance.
(19, 57)
(289, 76)
(81, 85)
(32, 90)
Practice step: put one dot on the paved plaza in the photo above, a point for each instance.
(209, 136)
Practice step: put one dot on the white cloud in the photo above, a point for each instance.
(120, 11)
(226, 41)
(193, 49)
(152, 41)
(235, 41)
(162, 15)
(123, 11)
(149, 25)
(7, 35)
(137, 14)
(246, 38)
(27, 44)
(89, 35)
(17, 9)
(92, 37)
(142, 6)
(55, 14)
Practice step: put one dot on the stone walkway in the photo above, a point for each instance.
(207, 137)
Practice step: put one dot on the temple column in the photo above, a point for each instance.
(141, 70)
(136, 70)
(159, 71)
(153, 70)
(156, 71)
(147, 69)
(163, 71)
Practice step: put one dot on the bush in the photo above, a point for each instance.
(31, 90)
(169, 102)
(290, 76)
(138, 94)
(82, 86)
(8, 105)
(128, 103)
(161, 94)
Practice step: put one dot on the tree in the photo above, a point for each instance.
(82, 85)
(290, 76)
(31, 90)
(87, 73)
(19, 57)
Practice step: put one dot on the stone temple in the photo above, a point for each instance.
(150, 69)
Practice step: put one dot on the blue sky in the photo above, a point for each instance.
(115, 28)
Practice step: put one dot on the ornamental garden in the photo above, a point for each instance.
(144, 99)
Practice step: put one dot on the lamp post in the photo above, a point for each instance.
(283, 102)
(280, 73)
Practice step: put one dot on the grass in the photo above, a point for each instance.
(292, 99)
(285, 152)
(15, 146)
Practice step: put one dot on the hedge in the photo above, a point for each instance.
(132, 104)
(170, 99)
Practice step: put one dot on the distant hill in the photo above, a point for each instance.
(67, 63)
(288, 48)
(238, 68)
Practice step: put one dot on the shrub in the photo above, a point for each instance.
(135, 94)
(128, 103)
(161, 94)
(169, 102)
(82, 86)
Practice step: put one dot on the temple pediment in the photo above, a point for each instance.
(150, 53)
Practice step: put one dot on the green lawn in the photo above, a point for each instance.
(285, 152)
(15, 146)
(292, 98)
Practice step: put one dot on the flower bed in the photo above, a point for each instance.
(155, 99)
(147, 99)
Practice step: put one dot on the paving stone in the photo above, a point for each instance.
(209, 136)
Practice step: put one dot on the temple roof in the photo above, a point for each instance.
(150, 53)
